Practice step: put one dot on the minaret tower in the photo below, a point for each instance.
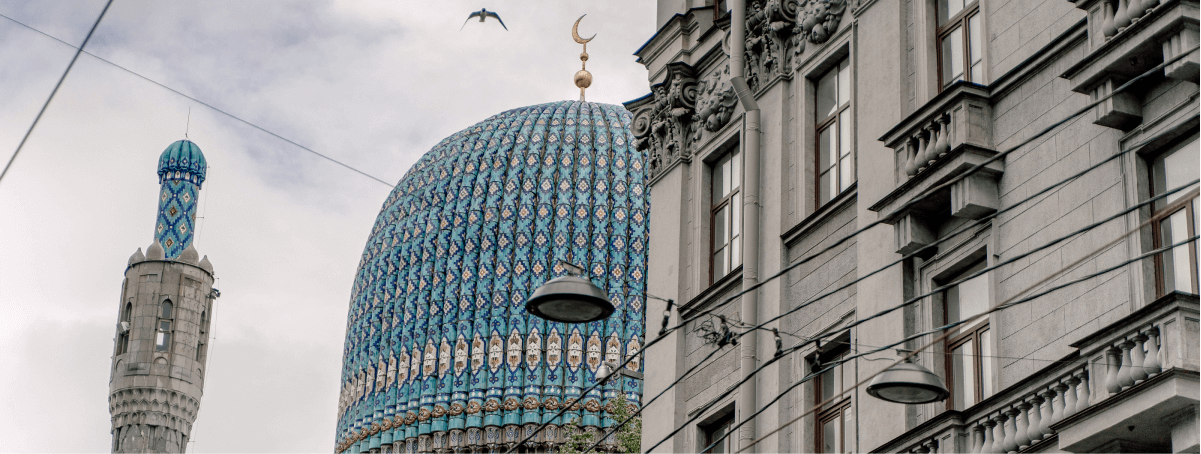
(158, 370)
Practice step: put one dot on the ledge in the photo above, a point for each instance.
(816, 218)
(723, 284)
(957, 162)
(1120, 55)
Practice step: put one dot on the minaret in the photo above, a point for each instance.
(158, 368)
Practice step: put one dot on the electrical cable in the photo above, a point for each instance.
(930, 191)
(78, 50)
(965, 278)
(210, 106)
(966, 227)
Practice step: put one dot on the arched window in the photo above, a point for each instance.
(200, 346)
(162, 339)
(124, 326)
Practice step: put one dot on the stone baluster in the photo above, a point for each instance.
(977, 440)
(1069, 396)
(1022, 436)
(998, 433)
(911, 152)
(931, 154)
(1152, 364)
(944, 140)
(1010, 443)
(1138, 357)
(1107, 27)
(1134, 8)
(1082, 391)
(922, 145)
(1124, 379)
(1034, 431)
(1057, 403)
(1112, 363)
(1044, 421)
(1121, 18)
(987, 446)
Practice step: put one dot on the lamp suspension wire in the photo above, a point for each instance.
(1012, 301)
(928, 193)
(78, 50)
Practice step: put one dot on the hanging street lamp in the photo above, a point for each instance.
(570, 299)
(908, 383)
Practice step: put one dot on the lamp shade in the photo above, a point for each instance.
(908, 383)
(569, 299)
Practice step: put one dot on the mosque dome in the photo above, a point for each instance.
(182, 160)
(440, 352)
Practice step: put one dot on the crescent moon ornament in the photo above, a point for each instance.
(575, 32)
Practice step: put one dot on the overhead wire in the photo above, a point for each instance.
(981, 272)
(53, 92)
(947, 237)
(203, 103)
(932, 190)
(929, 192)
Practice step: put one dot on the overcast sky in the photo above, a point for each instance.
(374, 84)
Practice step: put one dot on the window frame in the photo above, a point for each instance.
(734, 213)
(123, 339)
(967, 333)
(1165, 216)
(958, 22)
(833, 120)
(162, 337)
(837, 409)
(709, 432)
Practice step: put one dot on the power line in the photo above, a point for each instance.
(963, 228)
(940, 288)
(78, 50)
(210, 106)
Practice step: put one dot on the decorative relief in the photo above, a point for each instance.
(770, 25)
(662, 126)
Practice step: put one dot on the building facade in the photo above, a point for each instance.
(440, 354)
(160, 349)
(873, 177)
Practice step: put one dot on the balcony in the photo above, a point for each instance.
(1128, 38)
(1129, 387)
(949, 135)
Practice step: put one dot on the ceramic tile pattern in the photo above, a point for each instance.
(181, 171)
(439, 345)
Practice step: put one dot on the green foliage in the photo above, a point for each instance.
(629, 437)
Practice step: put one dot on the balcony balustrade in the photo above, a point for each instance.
(1076, 404)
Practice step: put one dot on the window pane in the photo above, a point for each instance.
(735, 170)
(974, 56)
(735, 218)
(963, 381)
(827, 149)
(844, 174)
(715, 183)
(1177, 271)
(844, 83)
(985, 364)
(166, 309)
(827, 95)
(830, 441)
(726, 184)
(719, 227)
(844, 130)
(823, 191)
(973, 296)
(829, 383)
(719, 262)
(1174, 169)
(952, 57)
(948, 9)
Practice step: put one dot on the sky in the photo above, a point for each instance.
(374, 84)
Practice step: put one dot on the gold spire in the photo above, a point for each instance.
(583, 78)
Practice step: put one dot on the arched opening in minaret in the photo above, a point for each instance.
(162, 339)
(123, 338)
(201, 347)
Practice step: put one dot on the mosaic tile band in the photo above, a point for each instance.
(440, 353)
(181, 171)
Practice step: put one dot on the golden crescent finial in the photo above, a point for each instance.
(575, 32)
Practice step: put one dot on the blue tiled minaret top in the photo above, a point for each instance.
(440, 353)
(181, 170)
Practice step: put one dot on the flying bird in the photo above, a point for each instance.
(484, 14)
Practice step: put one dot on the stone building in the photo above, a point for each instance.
(159, 353)
(777, 130)
(440, 354)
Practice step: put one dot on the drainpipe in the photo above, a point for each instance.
(748, 392)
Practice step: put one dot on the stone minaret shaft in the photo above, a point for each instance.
(163, 321)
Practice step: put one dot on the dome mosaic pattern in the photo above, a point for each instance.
(440, 353)
(181, 171)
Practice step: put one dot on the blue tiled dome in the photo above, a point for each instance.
(182, 160)
(440, 353)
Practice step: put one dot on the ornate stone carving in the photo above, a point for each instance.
(662, 122)
(715, 103)
(770, 25)
(816, 22)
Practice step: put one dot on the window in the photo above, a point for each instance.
(833, 418)
(123, 338)
(969, 374)
(724, 215)
(162, 339)
(1175, 269)
(959, 45)
(200, 347)
(714, 431)
(835, 161)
